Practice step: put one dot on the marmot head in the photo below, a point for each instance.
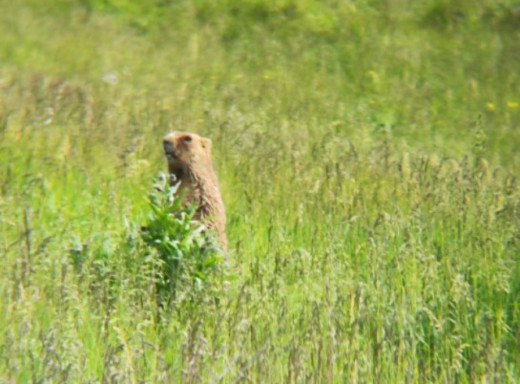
(185, 151)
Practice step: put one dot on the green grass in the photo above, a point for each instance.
(368, 158)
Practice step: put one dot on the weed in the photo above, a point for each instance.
(187, 252)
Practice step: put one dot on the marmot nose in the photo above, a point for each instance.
(168, 145)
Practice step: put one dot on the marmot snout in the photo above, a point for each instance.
(189, 159)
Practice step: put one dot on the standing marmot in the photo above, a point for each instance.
(189, 159)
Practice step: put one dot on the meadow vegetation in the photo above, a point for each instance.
(368, 158)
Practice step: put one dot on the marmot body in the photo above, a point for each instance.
(189, 159)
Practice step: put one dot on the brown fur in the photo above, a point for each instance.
(189, 159)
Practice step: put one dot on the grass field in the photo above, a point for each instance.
(368, 156)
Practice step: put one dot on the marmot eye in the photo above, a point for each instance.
(186, 139)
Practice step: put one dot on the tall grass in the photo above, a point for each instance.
(367, 156)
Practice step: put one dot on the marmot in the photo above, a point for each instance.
(189, 159)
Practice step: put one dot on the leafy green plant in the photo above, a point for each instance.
(187, 252)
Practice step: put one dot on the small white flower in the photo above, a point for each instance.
(49, 113)
(110, 78)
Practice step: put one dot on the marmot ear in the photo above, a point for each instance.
(206, 144)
